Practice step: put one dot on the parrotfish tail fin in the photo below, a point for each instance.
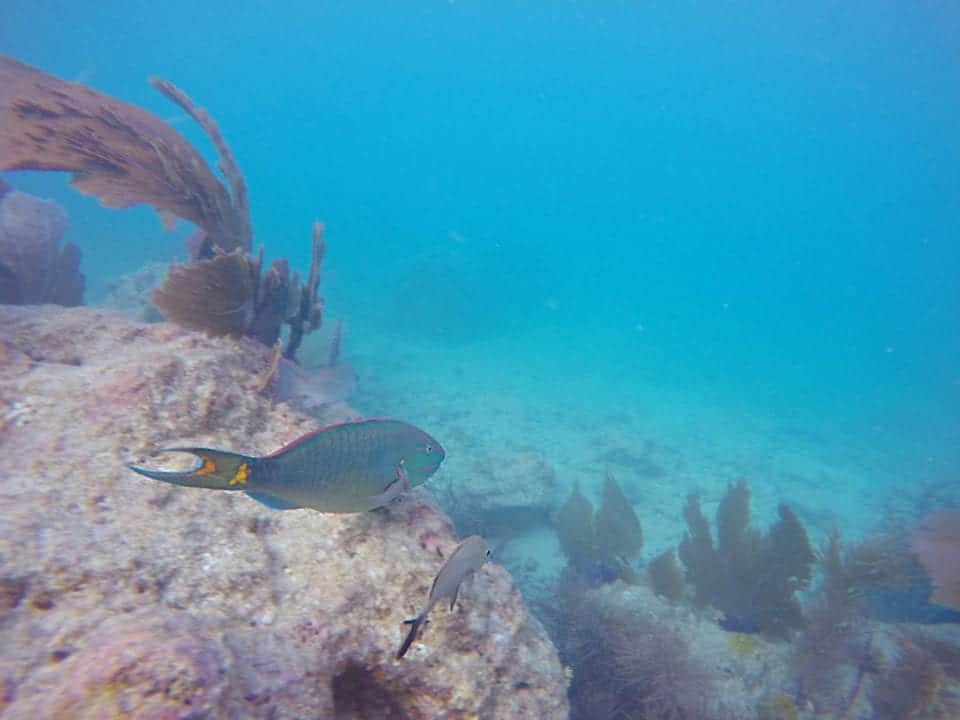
(215, 469)
(415, 625)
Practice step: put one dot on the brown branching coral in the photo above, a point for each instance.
(937, 544)
(117, 152)
(305, 303)
(751, 576)
(666, 577)
(604, 541)
(226, 294)
(617, 526)
(574, 525)
(272, 303)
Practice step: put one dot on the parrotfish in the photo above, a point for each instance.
(349, 467)
(468, 557)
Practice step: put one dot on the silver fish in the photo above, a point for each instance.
(468, 557)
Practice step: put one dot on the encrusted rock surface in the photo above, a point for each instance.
(130, 294)
(502, 494)
(124, 597)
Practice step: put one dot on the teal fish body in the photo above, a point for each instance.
(350, 467)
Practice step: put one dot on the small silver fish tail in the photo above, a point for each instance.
(415, 625)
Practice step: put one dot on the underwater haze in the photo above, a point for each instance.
(727, 233)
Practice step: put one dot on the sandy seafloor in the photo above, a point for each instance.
(517, 394)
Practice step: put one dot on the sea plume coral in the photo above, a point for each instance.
(936, 543)
(751, 576)
(602, 543)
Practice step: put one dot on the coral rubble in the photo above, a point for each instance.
(125, 597)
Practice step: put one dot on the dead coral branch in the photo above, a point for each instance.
(119, 153)
(306, 305)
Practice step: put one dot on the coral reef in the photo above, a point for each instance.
(600, 545)
(837, 652)
(34, 268)
(901, 671)
(126, 156)
(750, 576)
(937, 544)
(633, 656)
(914, 682)
(120, 596)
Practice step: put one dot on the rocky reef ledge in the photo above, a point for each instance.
(123, 597)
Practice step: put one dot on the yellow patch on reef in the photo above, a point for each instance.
(743, 644)
(240, 476)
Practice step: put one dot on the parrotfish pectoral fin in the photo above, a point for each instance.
(272, 501)
(215, 470)
(390, 493)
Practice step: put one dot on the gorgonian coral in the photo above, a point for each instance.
(751, 576)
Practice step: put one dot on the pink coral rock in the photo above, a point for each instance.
(937, 543)
(124, 597)
(34, 268)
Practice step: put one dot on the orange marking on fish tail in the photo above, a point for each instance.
(240, 477)
(208, 467)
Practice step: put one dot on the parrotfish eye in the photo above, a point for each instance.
(428, 447)
(489, 552)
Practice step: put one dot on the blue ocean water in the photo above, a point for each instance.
(734, 223)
